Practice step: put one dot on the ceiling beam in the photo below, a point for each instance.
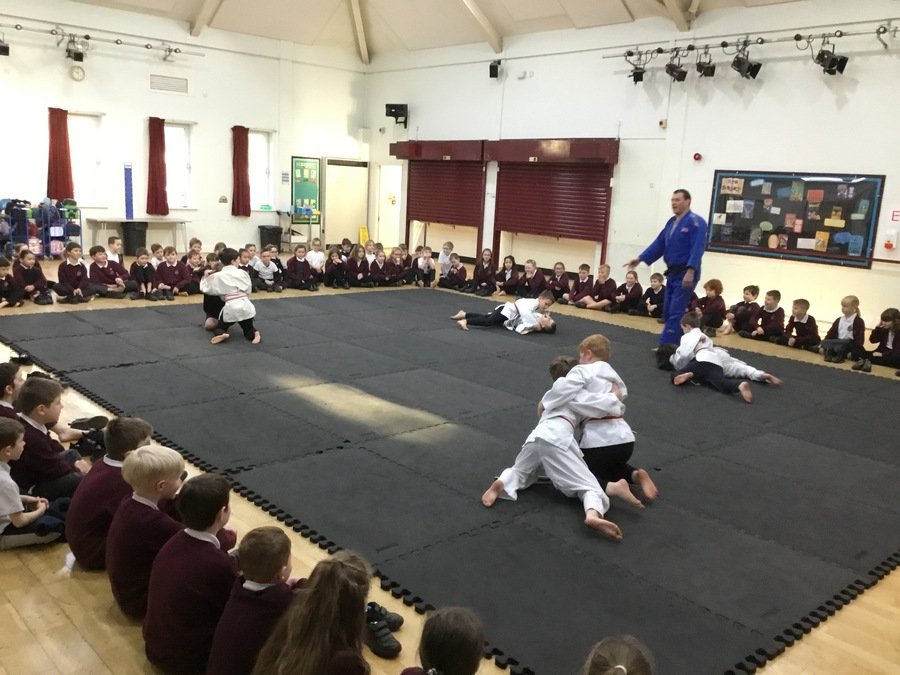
(360, 31)
(676, 14)
(494, 39)
(695, 7)
(204, 15)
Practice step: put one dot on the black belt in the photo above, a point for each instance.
(675, 269)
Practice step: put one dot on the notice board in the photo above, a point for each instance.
(306, 184)
(812, 217)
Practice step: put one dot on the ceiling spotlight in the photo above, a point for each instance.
(637, 75)
(118, 41)
(18, 26)
(831, 63)
(148, 46)
(77, 47)
(743, 65)
(675, 71)
(706, 68)
(4, 48)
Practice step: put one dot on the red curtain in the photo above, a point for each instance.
(240, 163)
(157, 200)
(59, 163)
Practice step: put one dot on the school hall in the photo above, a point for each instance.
(472, 90)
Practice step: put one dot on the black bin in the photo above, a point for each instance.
(134, 236)
(270, 235)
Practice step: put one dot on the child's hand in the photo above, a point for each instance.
(730, 316)
(83, 465)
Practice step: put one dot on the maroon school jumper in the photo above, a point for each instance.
(393, 272)
(633, 297)
(298, 272)
(531, 288)
(456, 277)
(355, 268)
(772, 323)
(711, 309)
(746, 315)
(558, 285)
(581, 289)
(73, 276)
(378, 273)
(605, 290)
(107, 274)
(805, 333)
(483, 275)
(248, 620)
(29, 276)
(42, 460)
(176, 276)
(859, 331)
(508, 285)
(91, 512)
(189, 586)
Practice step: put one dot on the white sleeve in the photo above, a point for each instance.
(685, 352)
(564, 389)
(597, 405)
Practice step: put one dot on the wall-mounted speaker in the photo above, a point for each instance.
(399, 111)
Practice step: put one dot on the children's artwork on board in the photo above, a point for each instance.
(755, 236)
(783, 241)
(815, 195)
(789, 219)
(821, 241)
(837, 212)
(855, 247)
(732, 186)
(766, 188)
(862, 207)
(796, 193)
(845, 191)
(812, 211)
(719, 219)
(798, 225)
(734, 206)
(749, 206)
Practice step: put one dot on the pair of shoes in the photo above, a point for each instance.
(829, 356)
(632, 312)
(376, 612)
(88, 423)
(774, 339)
(313, 287)
(169, 295)
(863, 365)
(134, 295)
(582, 304)
(744, 333)
(378, 638)
(346, 286)
(115, 295)
(277, 289)
(22, 359)
(82, 299)
(709, 332)
(562, 301)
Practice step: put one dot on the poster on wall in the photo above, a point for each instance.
(823, 218)
(306, 190)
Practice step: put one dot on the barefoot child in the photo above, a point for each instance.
(233, 286)
(703, 363)
(552, 443)
(525, 315)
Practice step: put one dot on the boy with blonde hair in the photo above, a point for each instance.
(139, 528)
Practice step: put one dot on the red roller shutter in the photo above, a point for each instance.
(446, 192)
(554, 200)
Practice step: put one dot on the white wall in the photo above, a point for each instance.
(312, 98)
(792, 118)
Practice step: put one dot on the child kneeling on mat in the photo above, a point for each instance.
(233, 285)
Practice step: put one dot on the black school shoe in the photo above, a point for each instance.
(378, 638)
(376, 612)
(88, 423)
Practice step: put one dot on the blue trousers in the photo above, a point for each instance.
(675, 305)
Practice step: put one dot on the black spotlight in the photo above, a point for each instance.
(831, 63)
(706, 68)
(399, 111)
(494, 69)
(4, 48)
(747, 68)
(637, 75)
(675, 71)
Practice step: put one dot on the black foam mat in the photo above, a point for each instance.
(383, 441)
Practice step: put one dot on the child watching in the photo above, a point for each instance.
(358, 268)
(114, 249)
(220, 246)
(257, 601)
(173, 276)
(321, 632)
(347, 249)
(425, 268)
(317, 259)
(455, 279)
(452, 643)
(194, 246)
(156, 255)
(197, 266)
(603, 294)
(482, 283)
(24, 519)
(802, 331)
(581, 287)
(703, 363)
(620, 655)
(268, 276)
(191, 580)
(139, 529)
(770, 320)
(378, 271)
(144, 275)
(46, 469)
(98, 496)
(254, 257)
(110, 278)
(10, 295)
(887, 336)
(711, 308)
(371, 250)
(845, 337)
(232, 285)
(558, 284)
(444, 257)
(651, 302)
(73, 285)
(507, 279)
(742, 316)
(531, 281)
(30, 279)
(299, 272)
(525, 315)
(628, 295)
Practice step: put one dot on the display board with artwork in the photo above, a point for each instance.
(825, 218)
(306, 190)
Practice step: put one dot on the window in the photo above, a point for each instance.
(178, 166)
(259, 145)
(84, 151)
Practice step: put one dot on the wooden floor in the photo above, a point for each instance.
(55, 619)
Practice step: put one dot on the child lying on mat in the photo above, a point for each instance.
(525, 315)
(552, 444)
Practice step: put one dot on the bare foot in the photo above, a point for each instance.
(727, 329)
(771, 379)
(490, 495)
(648, 487)
(462, 323)
(682, 378)
(744, 389)
(622, 490)
(257, 338)
(216, 339)
(605, 527)
(459, 315)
